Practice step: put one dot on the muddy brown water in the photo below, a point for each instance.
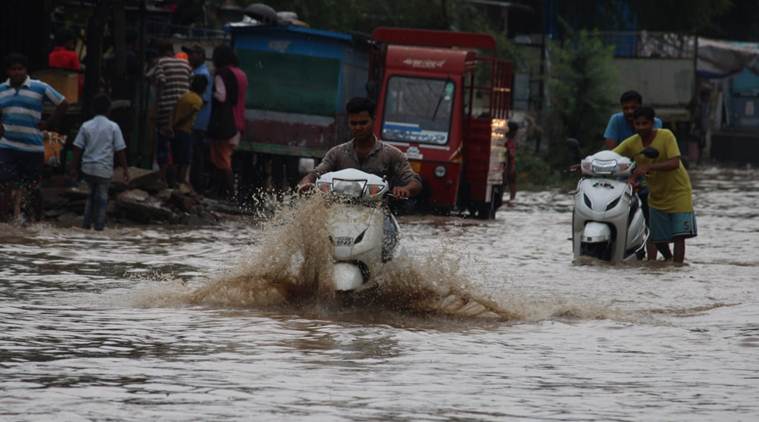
(474, 321)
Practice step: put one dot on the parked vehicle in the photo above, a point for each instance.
(445, 105)
(361, 228)
(438, 100)
(299, 81)
(607, 221)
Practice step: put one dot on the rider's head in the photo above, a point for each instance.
(360, 117)
(643, 120)
(630, 101)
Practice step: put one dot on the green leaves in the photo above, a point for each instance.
(580, 83)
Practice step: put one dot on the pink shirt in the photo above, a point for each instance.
(220, 93)
(242, 89)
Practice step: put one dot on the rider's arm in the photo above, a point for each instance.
(409, 183)
(666, 165)
(625, 148)
(414, 187)
(328, 164)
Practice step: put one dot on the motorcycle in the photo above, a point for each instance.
(607, 220)
(363, 231)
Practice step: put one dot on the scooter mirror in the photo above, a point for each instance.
(650, 152)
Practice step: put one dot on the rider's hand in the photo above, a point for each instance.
(306, 187)
(641, 170)
(401, 192)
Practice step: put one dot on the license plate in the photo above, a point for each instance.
(416, 166)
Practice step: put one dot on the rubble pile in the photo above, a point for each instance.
(144, 200)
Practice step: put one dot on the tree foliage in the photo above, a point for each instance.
(580, 87)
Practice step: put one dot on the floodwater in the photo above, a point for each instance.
(475, 321)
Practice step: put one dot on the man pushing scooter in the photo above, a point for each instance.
(670, 199)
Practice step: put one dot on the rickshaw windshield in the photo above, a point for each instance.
(418, 110)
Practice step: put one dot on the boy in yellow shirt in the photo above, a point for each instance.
(670, 200)
(187, 108)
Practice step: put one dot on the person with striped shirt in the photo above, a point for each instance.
(172, 78)
(22, 152)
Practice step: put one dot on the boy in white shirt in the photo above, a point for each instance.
(96, 143)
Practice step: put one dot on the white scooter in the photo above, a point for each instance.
(363, 231)
(607, 221)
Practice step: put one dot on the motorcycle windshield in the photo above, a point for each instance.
(418, 110)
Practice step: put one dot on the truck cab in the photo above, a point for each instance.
(445, 106)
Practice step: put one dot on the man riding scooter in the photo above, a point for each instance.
(367, 153)
(364, 153)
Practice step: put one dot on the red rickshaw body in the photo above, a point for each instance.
(425, 107)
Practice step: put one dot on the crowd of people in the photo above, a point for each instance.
(199, 118)
(199, 122)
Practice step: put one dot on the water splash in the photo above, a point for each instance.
(293, 266)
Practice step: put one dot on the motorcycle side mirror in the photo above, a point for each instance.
(650, 152)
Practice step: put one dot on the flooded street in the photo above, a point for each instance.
(169, 324)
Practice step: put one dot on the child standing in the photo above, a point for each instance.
(95, 144)
(188, 106)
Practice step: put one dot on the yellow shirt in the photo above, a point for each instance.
(670, 190)
(187, 108)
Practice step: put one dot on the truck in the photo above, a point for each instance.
(299, 81)
(439, 101)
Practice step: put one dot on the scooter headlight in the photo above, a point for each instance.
(604, 166)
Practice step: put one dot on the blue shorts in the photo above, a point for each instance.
(665, 226)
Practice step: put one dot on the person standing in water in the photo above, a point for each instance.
(670, 199)
(98, 140)
(621, 127)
